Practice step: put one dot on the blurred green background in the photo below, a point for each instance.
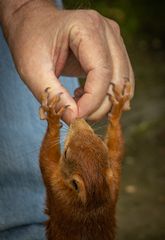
(141, 206)
(144, 19)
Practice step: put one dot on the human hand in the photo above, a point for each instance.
(46, 42)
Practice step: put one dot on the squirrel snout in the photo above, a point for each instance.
(80, 124)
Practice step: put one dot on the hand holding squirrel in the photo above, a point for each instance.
(46, 43)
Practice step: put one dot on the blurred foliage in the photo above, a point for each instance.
(139, 19)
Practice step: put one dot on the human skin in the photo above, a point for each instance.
(46, 42)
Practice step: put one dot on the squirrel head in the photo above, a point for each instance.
(85, 166)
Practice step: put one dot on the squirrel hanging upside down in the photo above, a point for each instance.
(82, 183)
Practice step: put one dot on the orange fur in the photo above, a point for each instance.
(82, 183)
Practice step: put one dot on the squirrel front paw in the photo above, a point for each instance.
(48, 109)
(118, 101)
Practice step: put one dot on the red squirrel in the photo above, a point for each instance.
(82, 183)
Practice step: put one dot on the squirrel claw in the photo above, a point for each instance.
(118, 100)
(62, 109)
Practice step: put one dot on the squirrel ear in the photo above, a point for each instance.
(77, 184)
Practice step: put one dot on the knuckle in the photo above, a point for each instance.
(76, 29)
(87, 20)
(94, 16)
(78, 32)
(115, 26)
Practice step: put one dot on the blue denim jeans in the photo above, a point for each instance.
(22, 194)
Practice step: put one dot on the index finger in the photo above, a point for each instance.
(94, 57)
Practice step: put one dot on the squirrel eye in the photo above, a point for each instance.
(75, 185)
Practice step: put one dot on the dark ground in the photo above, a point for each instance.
(141, 206)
